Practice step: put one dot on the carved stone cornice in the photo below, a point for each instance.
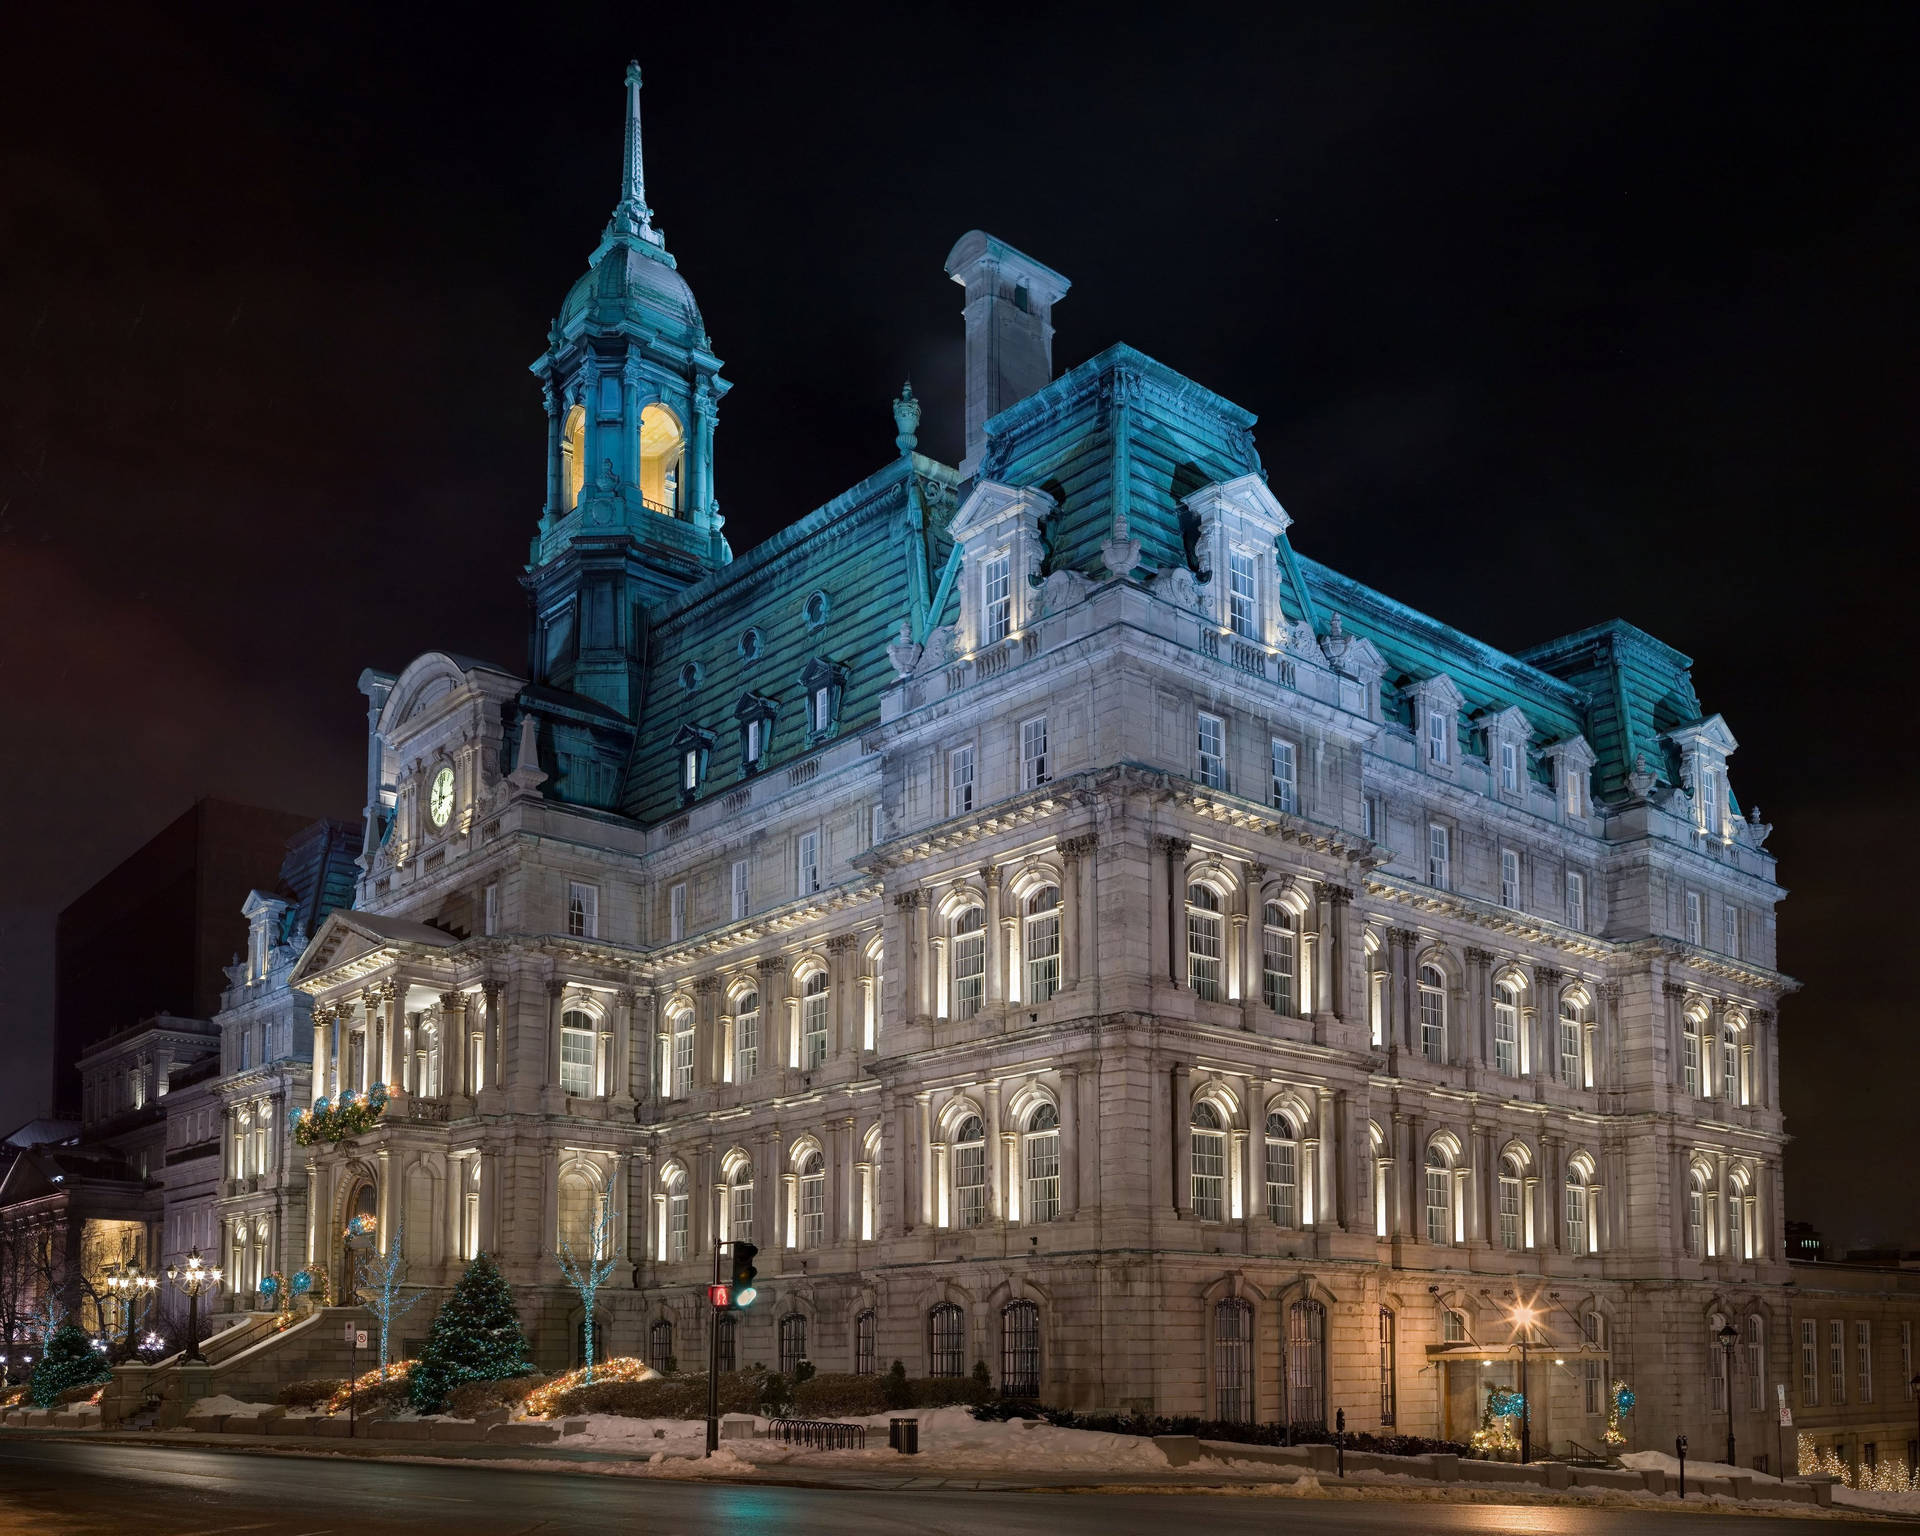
(706, 986)
(906, 900)
(626, 997)
(1674, 989)
(1172, 847)
(1481, 956)
(841, 944)
(770, 965)
(1405, 938)
(1079, 847)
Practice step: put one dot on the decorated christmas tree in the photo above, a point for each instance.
(475, 1337)
(70, 1361)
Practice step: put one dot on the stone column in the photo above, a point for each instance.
(453, 1022)
(706, 1029)
(1546, 1022)
(1325, 1206)
(383, 1207)
(1069, 1141)
(488, 1237)
(847, 1182)
(840, 949)
(995, 942)
(556, 989)
(393, 999)
(924, 1102)
(776, 1027)
(1075, 852)
(1400, 942)
(1174, 851)
(321, 1017)
(621, 1086)
(995, 1183)
(1183, 1140)
(1480, 994)
(313, 1212)
(1340, 904)
(1413, 1163)
(556, 492)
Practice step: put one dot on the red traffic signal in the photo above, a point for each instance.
(718, 1294)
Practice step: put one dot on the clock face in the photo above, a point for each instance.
(440, 797)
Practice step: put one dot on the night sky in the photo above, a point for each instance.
(1549, 318)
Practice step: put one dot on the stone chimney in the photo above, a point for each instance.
(1009, 314)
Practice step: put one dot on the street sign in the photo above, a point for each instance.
(1786, 1413)
(351, 1332)
(360, 1338)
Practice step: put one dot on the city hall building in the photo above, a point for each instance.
(1065, 927)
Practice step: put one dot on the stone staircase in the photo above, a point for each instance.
(251, 1362)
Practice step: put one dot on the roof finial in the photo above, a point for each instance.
(632, 217)
(906, 420)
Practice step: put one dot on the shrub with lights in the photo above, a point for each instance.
(370, 1389)
(545, 1401)
(475, 1337)
(1619, 1405)
(70, 1361)
(336, 1120)
(1499, 1431)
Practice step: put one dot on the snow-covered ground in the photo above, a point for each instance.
(1851, 1498)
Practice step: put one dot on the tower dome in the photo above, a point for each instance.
(637, 284)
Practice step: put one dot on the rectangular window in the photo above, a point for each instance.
(1506, 1032)
(1439, 730)
(677, 911)
(746, 1038)
(809, 863)
(1210, 747)
(813, 1020)
(740, 903)
(1863, 1358)
(1277, 960)
(490, 921)
(1694, 925)
(1437, 1179)
(960, 781)
(1690, 1059)
(690, 770)
(1509, 878)
(1570, 1032)
(583, 910)
(1809, 1365)
(682, 1055)
(1906, 1356)
(1386, 1368)
(1209, 1175)
(1043, 1176)
(576, 1063)
(1837, 1360)
(1576, 900)
(1283, 1183)
(677, 1228)
(1510, 766)
(1371, 820)
(1242, 613)
(1286, 778)
(754, 728)
(1033, 753)
(822, 709)
(997, 598)
(1439, 857)
(1710, 802)
(1730, 931)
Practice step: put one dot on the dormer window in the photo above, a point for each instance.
(1439, 734)
(1572, 761)
(996, 598)
(1510, 766)
(1710, 801)
(692, 748)
(824, 682)
(1243, 596)
(755, 715)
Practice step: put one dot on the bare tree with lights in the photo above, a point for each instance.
(588, 1277)
(378, 1283)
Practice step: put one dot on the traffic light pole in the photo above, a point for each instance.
(713, 1359)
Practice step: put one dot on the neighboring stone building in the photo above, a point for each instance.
(1061, 924)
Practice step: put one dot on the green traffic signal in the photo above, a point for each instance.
(743, 1291)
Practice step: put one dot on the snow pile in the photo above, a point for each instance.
(224, 1404)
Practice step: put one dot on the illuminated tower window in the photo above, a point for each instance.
(662, 449)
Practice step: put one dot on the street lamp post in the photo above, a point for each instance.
(192, 1278)
(129, 1285)
(1913, 1472)
(1727, 1336)
(1523, 1319)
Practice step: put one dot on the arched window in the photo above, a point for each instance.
(680, 1022)
(426, 1059)
(1233, 1360)
(1283, 1172)
(793, 1342)
(1043, 1163)
(1593, 1368)
(1573, 1035)
(1387, 1392)
(1453, 1327)
(970, 1173)
(1279, 952)
(813, 1201)
(866, 1329)
(1736, 1224)
(1433, 1013)
(1730, 1065)
(1506, 1029)
(1020, 1349)
(946, 1341)
(1580, 1233)
(746, 1036)
(660, 1345)
(1697, 1214)
(1307, 1364)
(662, 451)
(1042, 922)
(1209, 1163)
(969, 935)
(577, 1040)
(813, 1020)
(1439, 1195)
(1756, 1342)
(1512, 1176)
(573, 454)
(579, 1210)
(1204, 943)
(675, 1247)
(740, 1204)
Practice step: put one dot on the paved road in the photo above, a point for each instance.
(67, 1488)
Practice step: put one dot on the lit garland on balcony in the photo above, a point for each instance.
(544, 1401)
(350, 1115)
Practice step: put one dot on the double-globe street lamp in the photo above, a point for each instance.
(1727, 1337)
(129, 1285)
(192, 1278)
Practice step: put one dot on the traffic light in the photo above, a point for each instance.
(743, 1272)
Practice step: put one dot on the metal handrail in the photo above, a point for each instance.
(821, 1434)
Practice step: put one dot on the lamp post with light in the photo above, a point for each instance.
(1523, 1317)
(1727, 1337)
(129, 1285)
(1913, 1472)
(192, 1278)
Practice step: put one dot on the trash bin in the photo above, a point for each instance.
(903, 1435)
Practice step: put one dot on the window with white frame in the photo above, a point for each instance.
(1509, 878)
(1506, 1029)
(1042, 943)
(1837, 1360)
(1371, 821)
(1736, 1222)
(960, 781)
(813, 1201)
(1433, 1013)
(1210, 751)
(876, 824)
(1453, 1327)
(970, 1173)
(1809, 1364)
(1377, 1007)
(822, 709)
(968, 941)
(1709, 801)
(813, 1020)
(1209, 1163)
(1439, 1188)
(807, 861)
(1695, 928)
(583, 910)
(1286, 777)
(1863, 1357)
(490, 921)
(1690, 1056)
(1576, 900)
(1033, 753)
(1279, 954)
(1510, 766)
(1576, 787)
(1572, 1042)
(1283, 1172)
(578, 1037)
(996, 598)
(682, 1023)
(1439, 737)
(1697, 1214)
(1243, 613)
(677, 1220)
(1205, 941)
(740, 897)
(1730, 930)
(677, 911)
(1730, 1063)
(690, 769)
(1579, 1182)
(1512, 1183)
(746, 1036)
(753, 743)
(1042, 1147)
(1439, 857)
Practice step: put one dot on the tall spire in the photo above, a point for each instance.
(632, 217)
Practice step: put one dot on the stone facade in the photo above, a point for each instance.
(1062, 926)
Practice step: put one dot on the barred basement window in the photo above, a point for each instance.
(1283, 1173)
(793, 1342)
(1809, 1365)
(660, 1345)
(866, 1329)
(1209, 1163)
(1756, 1363)
(1278, 948)
(1043, 1164)
(946, 1341)
(1204, 941)
(1233, 1360)
(1837, 1360)
(1020, 1350)
(1386, 1368)
(1307, 1364)
(970, 1173)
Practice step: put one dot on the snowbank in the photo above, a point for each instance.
(224, 1404)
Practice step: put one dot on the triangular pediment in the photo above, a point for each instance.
(354, 941)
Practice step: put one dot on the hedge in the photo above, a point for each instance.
(1221, 1429)
(472, 1398)
(311, 1393)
